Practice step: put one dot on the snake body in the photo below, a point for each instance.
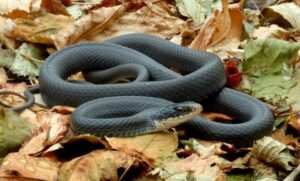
(203, 83)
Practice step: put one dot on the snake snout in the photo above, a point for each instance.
(175, 114)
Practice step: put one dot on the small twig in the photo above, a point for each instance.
(292, 176)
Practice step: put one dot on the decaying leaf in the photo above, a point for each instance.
(54, 7)
(96, 21)
(6, 6)
(155, 148)
(198, 10)
(39, 28)
(150, 19)
(53, 127)
(269, 66)
(6, 26)
(223, 26)
(29, 58)
(284, 138)
(273, 31)
(274, 152)
(97, 165)
(7, 57)
(21, 167)
(288, 11)
(3, 76)
(294, 121)
(13, 131)
(293, 95)
(193, 167)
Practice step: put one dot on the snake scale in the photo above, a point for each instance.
(203, 82)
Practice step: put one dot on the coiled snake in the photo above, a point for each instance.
(203, 83)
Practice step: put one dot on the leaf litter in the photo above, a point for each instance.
(260, 51)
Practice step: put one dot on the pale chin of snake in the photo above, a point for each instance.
(171, 122)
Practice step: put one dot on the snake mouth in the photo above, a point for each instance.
(182, 112)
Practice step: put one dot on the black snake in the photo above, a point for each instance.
(151, 57)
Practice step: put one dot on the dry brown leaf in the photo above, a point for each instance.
(284, 138)
(39, 28)
(13, 100)
(150, 19)
(53, 127)
(95, 21)
(6, 26)
(7, 6)
(273, 31)
(17, 166)
(294, 121)
(3, 77)
(195, 168)
(154, 148)
(221, 28)
(54, 7)
(97, 165)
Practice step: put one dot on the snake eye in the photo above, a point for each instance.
(180, 109)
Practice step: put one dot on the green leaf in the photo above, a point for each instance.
(28, 60)
(290, 12)
(7, 57)
(13, 131)
(269, 68)
(198, 10)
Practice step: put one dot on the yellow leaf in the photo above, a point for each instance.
(154, 148)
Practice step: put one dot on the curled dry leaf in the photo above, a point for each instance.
(53, 127)
(6, 26)
(222, 26)
(284, 12)
(274, 152)
(74, 146)
(96, 165)
(6, 6)
(155, 149)
(39, 28)
(192, 167)
(150, 19)
(18, 167)
(96, 21)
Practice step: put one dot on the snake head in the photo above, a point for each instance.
(172, 115)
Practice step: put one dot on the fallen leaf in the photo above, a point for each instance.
(54, 7)
(16, 166)
(272, 31)
(294, 122)
(269, 66)
(29, 58)
(53, 127)
(97, 165)
(7, 57)
(274, 152)
(155, 148)
(284, 138)
(198, 10)
(233, 74)
(6, 26)
(13, 131)
(192, 167)
(3, 76)
(39, 28)
(293, 94)
(22, 5)
(74, 146)
(288, 11)
(96, 21)
(150, 19)
(220, 28)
